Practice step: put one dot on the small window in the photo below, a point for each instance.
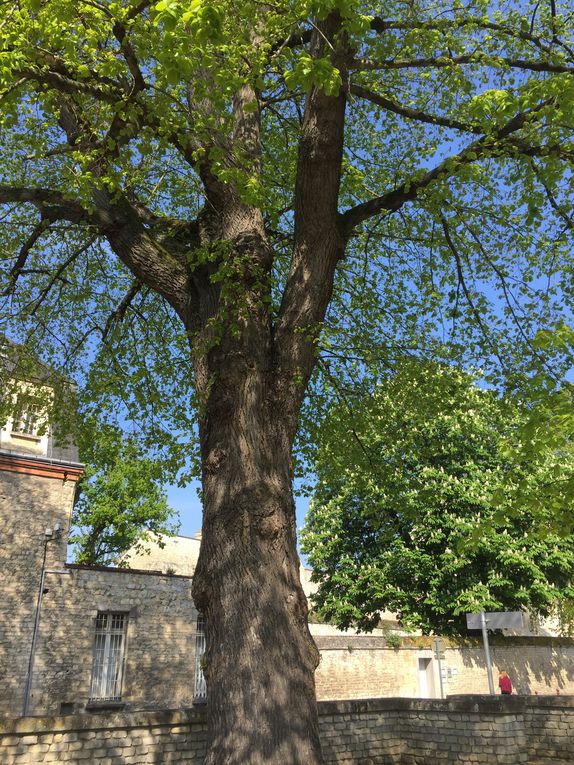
(109, 655)
(200, 686)
(27, 418)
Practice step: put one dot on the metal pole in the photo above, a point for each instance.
(487, 652)
(28, 684)
(440, 675)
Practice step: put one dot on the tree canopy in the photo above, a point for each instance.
(121, 501)
(406, 515)
(214, 214)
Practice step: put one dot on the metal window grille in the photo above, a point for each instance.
(27, 420)
(109, 654)
(200, 686)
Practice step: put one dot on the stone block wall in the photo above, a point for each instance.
(28, 505)
(363, 667)
(160, 645)
(415, 732)
(470, 730)
(550, 727)
(358, 667)
(136, 738)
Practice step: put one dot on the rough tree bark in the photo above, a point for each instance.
(260, 658)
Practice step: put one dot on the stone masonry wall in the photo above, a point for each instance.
(160, 646)
(358, 667)
(472, 730)
(28, 505)
(550, 731)
(121, 738)
(408, 732)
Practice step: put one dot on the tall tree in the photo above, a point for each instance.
(187, 187)
(406, 515)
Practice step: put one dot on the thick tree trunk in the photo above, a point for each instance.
(260, 658)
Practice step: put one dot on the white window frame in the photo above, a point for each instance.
(111, 630)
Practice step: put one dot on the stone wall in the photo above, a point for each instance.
(355, 667)
(28, 505)
(489, 730)
(409, 732)
(121, 738)
(160, 646)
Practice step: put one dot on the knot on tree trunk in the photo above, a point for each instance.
(215, 459)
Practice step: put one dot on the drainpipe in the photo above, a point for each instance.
(49, 534)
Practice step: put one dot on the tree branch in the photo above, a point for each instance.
(318, 244)
(58, 274)
(408, 190)
(558, 208)
(462, 283)
(438, 62)
(65, 84)
(412, 114)
(25, 250)
(380, 26)
(130, 57)
(117, 316)
(51, 203)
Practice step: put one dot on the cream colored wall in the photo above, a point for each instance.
(177, 555)
(536, 667)
(160, 644)
(28, 505)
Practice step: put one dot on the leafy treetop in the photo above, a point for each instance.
(405, 515)
(125, 120)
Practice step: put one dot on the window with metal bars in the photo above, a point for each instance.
(109, 655)
(27, 418)
(200, 687)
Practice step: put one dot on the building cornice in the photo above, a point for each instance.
(42, 467)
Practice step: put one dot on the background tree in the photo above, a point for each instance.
(200, 199)
(121, 500)
(406, 512)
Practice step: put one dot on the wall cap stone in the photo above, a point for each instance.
(474, 704)
(101, 721)
(123, 570)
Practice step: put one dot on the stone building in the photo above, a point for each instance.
(74, 637)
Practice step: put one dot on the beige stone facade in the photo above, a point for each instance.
(357, 667)
(30, 503)
(159, 655)
(48, 643)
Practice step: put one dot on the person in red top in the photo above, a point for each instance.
(504, 683)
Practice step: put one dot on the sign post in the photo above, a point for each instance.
(487, 652)
(495, 620)
(438, 648)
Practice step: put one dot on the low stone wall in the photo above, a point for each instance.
(409, 732)
(120, 738)
(550, 731)
(469, 729)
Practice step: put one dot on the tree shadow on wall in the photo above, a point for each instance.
(535, 664)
